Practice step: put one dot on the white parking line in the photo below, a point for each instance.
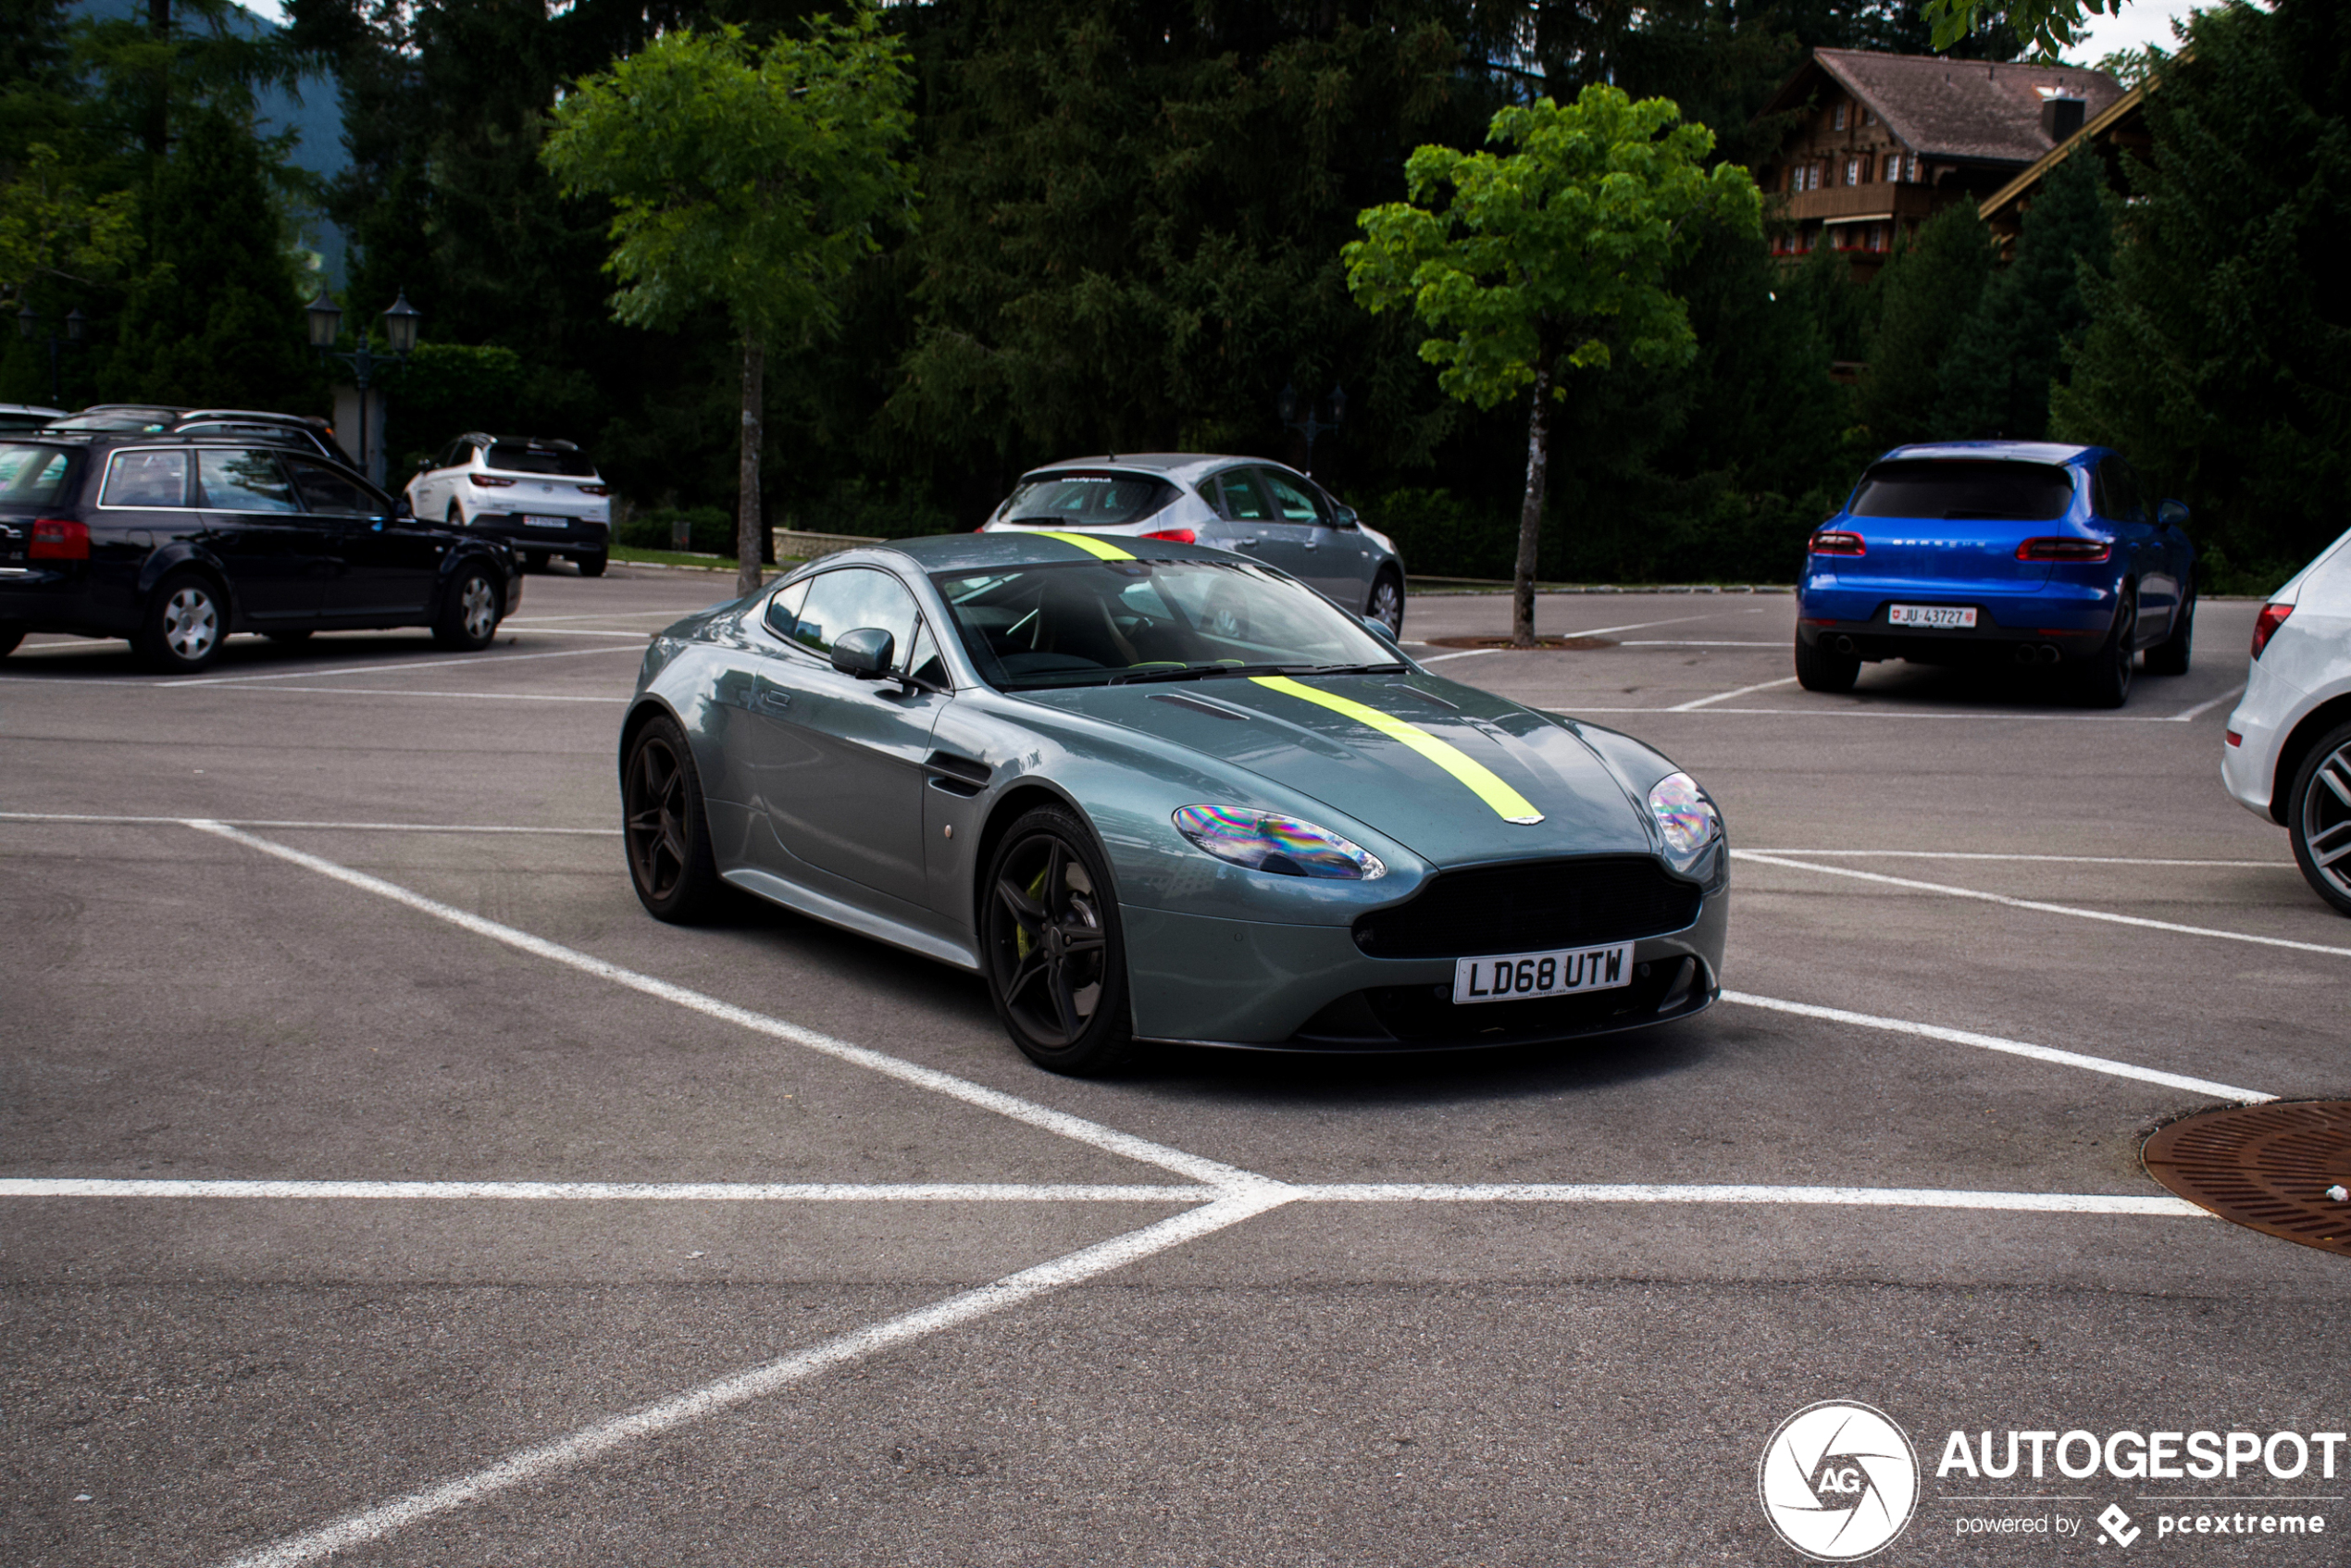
(2230, 695)
(2047, 859)
(472, 661)
(1985, 714)
(409, 691)
(1694, 642)
(651, 1420)
(1860, 1197)
(2075, 911)
(1076, 1128)
(1726, 696)
(1595, 631)
(335, 826)
(2009, 1047)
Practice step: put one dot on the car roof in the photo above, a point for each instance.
(1028, 547)
(1189, 467)
(539, 443)
(253, 417)
(1997, 451)
(32, 408)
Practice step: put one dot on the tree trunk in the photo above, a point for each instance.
(1530, 511)
(747, 521)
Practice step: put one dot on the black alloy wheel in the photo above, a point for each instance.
(1056, 965)
(2105, 681)
(185, 622)
(2318, 818)
(1387, 604)
(666, 828)
(469, 618)
(2171, 655)
(1817, 669)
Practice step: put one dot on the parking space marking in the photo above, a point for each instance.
(334, 827)
(2077, 912)
(1078, 1128)
(1594, 632)
(1725, 696)
(2209, 703)
(2050, 858)
(1693, 642)
(470, 661)
(1858, 1197)
(2009, 1046)
(651, 1420)
(407, 691)
(1865, 712)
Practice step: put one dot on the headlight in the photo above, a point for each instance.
(1263, 841)
(1685, 817)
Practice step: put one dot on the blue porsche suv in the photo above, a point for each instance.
(2024, 552)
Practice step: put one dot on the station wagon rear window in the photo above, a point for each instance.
(31, 476)
(1088, 500)
(510, 459)
(2034, 493)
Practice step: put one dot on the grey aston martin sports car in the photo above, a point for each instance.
(1153, 791)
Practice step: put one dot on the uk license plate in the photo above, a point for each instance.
(1938, 615)
(1515, 976)
(538, 520)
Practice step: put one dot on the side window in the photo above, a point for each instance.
(1292, 501)
(1244, 503)
(2120, 492)
(924, 664)
(783, 610)
(246, 481)
(330, 493)
(852, 597)
(146, 478)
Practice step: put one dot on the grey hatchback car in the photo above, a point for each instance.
(1250, 505)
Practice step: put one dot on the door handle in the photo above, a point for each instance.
(774, 699)
(1245, 544)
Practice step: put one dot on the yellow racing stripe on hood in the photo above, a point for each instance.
(1508, 803)
(1100, 550)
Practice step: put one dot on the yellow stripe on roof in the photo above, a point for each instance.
(1508, 803)
(1100, 550)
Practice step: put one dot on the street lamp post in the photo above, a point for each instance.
(400, 332)
(29, 329)
(1311, 426)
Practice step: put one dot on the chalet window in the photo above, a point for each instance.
(1852, 171)
(1893, 167)
(1910, 168)
(1836, 117)
(1877, 236)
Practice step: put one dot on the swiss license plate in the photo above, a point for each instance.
(1514, 976)
(1929, 614)
(537, 520)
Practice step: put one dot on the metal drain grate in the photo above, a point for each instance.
(2267, 1167)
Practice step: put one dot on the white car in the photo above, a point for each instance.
(543, 497)
(2288, 753)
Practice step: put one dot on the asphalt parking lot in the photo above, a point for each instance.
(571, 1237)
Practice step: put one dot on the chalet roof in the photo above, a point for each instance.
(1964, 110)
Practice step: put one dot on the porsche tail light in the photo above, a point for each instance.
(1837, 541)
(59, 539)
(2065, 549)
(1175, 536)
(488, 482)
(2273, 618)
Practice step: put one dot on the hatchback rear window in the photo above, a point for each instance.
(511, 459)
(1081, 499)
(31, 476)
(2025, 491)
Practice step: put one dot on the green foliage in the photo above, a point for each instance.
(2219, 355)
(711, 530)
(754, 181)
(1926, 293)
(1995, 380)
(1557, 249)
(447, 390)
(218, 317)
(50, 230)
(2049, 27)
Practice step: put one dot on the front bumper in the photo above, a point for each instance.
(1254, 985)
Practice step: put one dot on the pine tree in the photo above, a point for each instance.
(217, 318)
(1995, 379)
(1924, 294)
(2219, 355)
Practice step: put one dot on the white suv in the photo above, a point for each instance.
(543, 497)
(2288, 753)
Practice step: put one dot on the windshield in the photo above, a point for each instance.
(31, 476)
(1088, 500)
(1096, 623)
(2025, 491)
(514, 459)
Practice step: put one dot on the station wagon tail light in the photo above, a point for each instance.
(2065, 549)
(59, 539)
(1836, 542)
(595, 490)
(1175, 536)
(1685, 819)
(1283, 845)
(2273, 618)
(488, 483)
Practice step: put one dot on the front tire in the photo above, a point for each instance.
(1387, 604)
(2318, 818)
(1052, 948)
(469, 618)
(665, 828)
(2105, 682)
(591, 566)
(186, 621)
(1817, 669)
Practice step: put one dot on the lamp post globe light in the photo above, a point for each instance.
(76, 328)
(400, 319)
(1286, 405)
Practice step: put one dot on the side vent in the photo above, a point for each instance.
(1194, 704)
(957, 775)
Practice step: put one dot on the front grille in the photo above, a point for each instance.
(1531, 906)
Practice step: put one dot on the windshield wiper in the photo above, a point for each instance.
(1389, 666)
(1205, 672)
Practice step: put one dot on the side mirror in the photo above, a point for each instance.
(2172, 514)
(865, 652)
(401, 509)
(1379, 628)
(1347, 517)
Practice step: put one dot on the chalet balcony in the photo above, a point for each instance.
(1836, 203)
